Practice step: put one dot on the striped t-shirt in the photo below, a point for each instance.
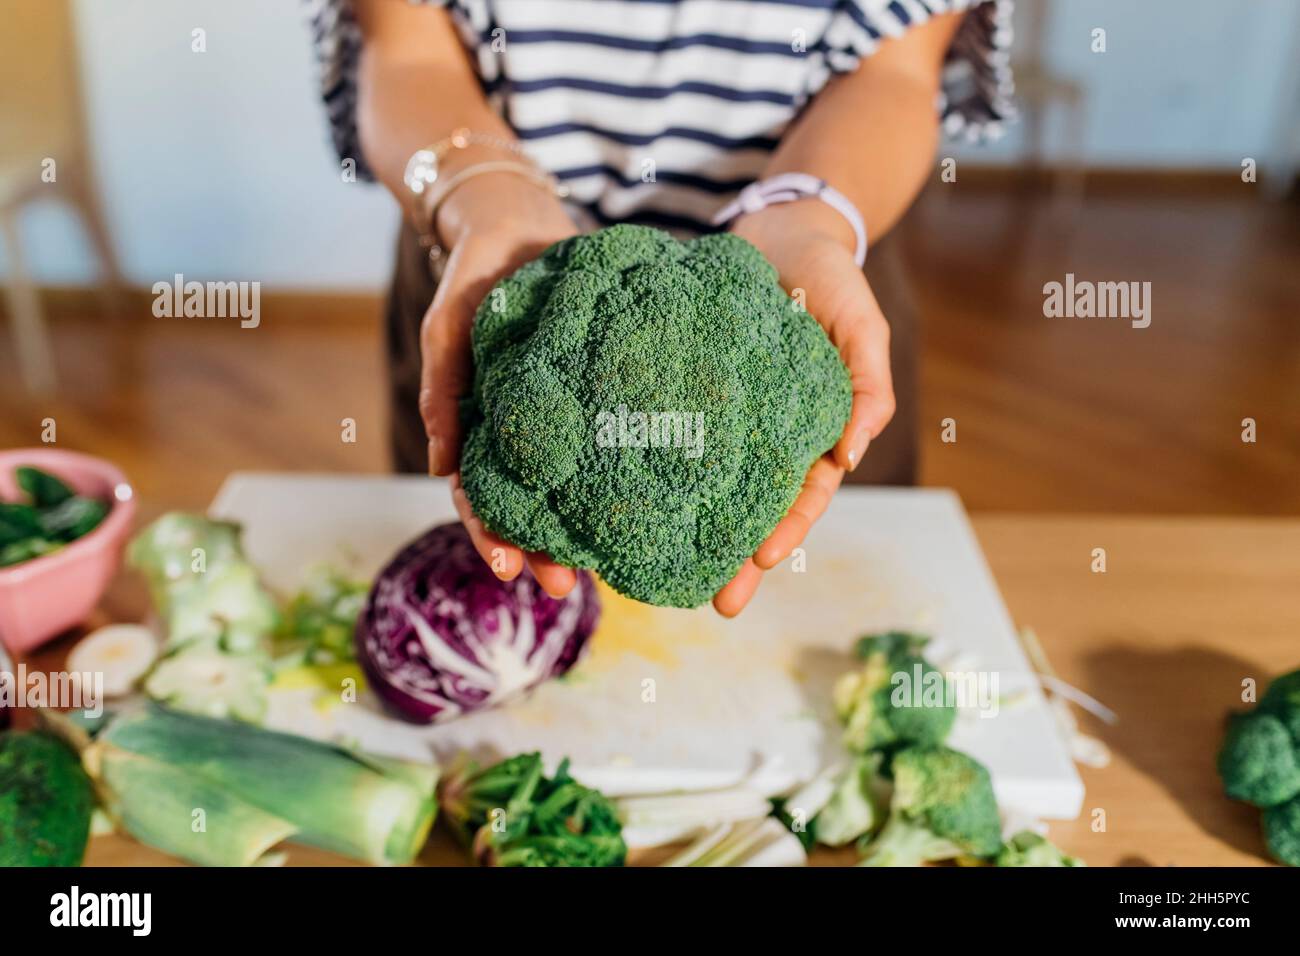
(660, 111)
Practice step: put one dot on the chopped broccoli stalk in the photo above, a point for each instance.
(201, 679)
(857, 806)
(227, 607)
(907, 842)
(896, 697)
(1030, 849)
(943, 807)
(202, 585)
(647, 408)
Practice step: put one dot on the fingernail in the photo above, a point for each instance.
(857, 448)
(435, 455)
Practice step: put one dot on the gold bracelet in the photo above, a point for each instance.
(424, 166)
(429, 237)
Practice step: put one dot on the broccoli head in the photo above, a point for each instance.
(647, 408)
(896, 697)
(942, 808)
(1027, 848)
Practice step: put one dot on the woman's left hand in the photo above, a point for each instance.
(811, 246)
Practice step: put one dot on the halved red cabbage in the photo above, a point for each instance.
(440, 635)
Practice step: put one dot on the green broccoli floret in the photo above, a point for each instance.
(45, 802)
(1027, 848)
(1259, 761)
(1260, 764)
(891, 644)
(647, 408)
(897, 697)
(1282, 831)
(1282, 700)
(942, 808)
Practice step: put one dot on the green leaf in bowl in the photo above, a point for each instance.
(17, 523)
(44, 489)
(26, 550)
(73, 518)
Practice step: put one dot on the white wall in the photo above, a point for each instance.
(1183, 83)
(218, 164)
(214, 164)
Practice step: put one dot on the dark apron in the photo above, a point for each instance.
(891, 459)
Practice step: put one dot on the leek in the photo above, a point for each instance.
(256, 787)
(182, 813)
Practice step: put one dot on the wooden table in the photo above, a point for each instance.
(1186, 610)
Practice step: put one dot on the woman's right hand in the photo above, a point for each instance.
(492, 224)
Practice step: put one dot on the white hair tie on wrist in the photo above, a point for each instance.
(787, 187)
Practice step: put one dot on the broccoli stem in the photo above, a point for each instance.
(904, 842)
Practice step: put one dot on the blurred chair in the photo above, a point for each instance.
(1038, 90)
(42, 118)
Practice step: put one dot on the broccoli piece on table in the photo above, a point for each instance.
(647, 408)
(1282, 700)
(1259, 762)
(1029, 849)
(942, 808)
(1282, 831)
(45, 802)
(896, 697)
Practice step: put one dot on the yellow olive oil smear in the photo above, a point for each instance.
(654, 634)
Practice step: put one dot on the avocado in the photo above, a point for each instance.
(45, 802)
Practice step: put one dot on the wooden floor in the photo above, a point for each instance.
(1074, 415)
(1094, 415)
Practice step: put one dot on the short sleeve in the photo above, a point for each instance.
(977, 88)
(336, 40)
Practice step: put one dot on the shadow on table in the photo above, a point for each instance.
(1172, 706)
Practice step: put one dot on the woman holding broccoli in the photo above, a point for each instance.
(805, 126)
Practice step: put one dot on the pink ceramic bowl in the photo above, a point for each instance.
(44, 597)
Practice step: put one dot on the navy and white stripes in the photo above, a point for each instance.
(660, 111)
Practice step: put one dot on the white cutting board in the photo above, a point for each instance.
(669, 699)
